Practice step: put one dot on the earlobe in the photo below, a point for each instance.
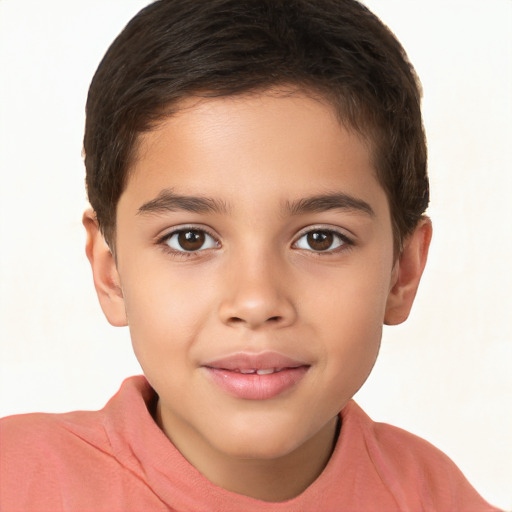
(104, 270)
(407, 273)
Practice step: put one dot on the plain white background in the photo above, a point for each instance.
(446, 374)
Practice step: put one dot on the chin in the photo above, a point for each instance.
(264, 450)
(261, 439)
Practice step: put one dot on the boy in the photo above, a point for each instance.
(258, 171)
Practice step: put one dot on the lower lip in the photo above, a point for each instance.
(257, 387)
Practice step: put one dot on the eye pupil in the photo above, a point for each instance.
(320, 240)
(191, 240)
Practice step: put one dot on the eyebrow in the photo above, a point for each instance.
(326, 202)
(169, 201)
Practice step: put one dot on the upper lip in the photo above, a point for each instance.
(253, 361)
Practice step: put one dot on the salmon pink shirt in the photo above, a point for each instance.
(117, 459)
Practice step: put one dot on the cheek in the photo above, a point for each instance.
(165, 311)
(352, 308)
(351, 297)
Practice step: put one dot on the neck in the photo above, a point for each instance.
(270, 479)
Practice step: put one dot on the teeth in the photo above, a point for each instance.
(266, 371)
(263, 371)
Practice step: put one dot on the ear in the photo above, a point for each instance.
(104, 271)
(407, 273)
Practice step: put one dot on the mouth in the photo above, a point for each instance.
(256, 376)
(261, 371)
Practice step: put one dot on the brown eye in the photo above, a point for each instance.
(190, 240)
(320, 240)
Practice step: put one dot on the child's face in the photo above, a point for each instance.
(284, 259)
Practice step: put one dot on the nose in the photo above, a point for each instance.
(257, 295)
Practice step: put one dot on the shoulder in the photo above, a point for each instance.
(42, 453)
(42, 445)
(48, 458)
(42, 436)
(39, 432)
(394, 447)
(415, 469)
(33, 435)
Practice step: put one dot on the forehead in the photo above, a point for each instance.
(252, 147)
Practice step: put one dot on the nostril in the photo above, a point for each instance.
(238, 320)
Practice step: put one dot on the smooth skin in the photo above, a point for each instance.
(249, 268)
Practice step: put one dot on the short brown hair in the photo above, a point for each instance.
(338, 49)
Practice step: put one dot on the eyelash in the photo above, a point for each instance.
(345, 242)
(164, 240)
